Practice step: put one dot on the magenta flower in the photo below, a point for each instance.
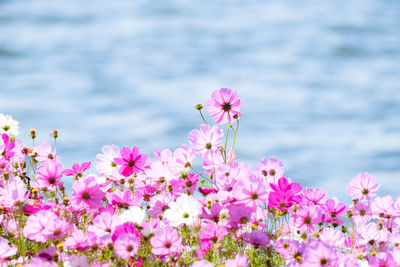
(77, 171)
(126, 228)
(7, 149)
(126, 246)
(166, 242)
(206, 139)
(239, 214)
(363, 187)
(224, 105)
(86, 194)
(131, 161)
(49, 174)
(284, 194)
(319, 253)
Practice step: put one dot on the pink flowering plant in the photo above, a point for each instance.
(197, 205)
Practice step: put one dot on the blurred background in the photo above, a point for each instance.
(320, 82)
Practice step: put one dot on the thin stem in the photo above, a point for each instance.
(234, 139)
(201, 114)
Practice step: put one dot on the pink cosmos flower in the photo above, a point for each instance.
(227, 176)
(14, 192)
(77, 171)
(166, 242)
(363, 187)
(44, 152)
(165, 156)
(332, 237)
(44, 225)
(126, 246)
(307, 217)
(319, 253)
(105, 164)
(251, 193)
(384, 207)
(314, 197)
(6, 250)
(103, 225)
(7, 148)
(239, 261)
(86, 194)
(271, 169)
(49, 174)
(131, 161)
(122, 198)
(80, 240)
(126, 228)
(212, 233)
(334, 208)
(239, 214)
(224, 105)
(183, 157)
(206, 139)
(284, 195)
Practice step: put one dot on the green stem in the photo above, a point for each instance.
(234, 139)
(201, 114)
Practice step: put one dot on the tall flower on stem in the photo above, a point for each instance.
(131, 161)
(363, 186)
(224, 105)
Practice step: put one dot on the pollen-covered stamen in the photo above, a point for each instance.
(208, 146)
(186, 215)
(167, 245)
(6, 128)
(129, 248)
(85, 196)
(52, 180)
(365, 191)
(324, 261)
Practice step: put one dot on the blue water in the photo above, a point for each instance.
(319, 80)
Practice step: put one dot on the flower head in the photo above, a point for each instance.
(8, 125)
(363, 187)
(206, 139)
(165, 242)
(224, 105)
(131, 161)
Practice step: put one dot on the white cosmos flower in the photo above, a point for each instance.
(8, 125)
(134, 214)
(185, 210)
(105, 162)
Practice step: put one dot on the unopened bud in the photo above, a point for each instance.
(54, 133)
(199, 106)
(33, 133)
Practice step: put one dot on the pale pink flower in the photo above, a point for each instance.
(49, 174)
(271, 169)
(103, 225)
(314, 197)
(183, 157)
(307, 217)
(202, 263)
(6, 250)
(224, 106)
(165, 156)
(319, 253)
(363, 187)
(86, 194)
(165, 242)
(13, 193)
(251, 193)
(105, 164)
(126, 246)
(239, 261)
(384, 207)
(332, 237)
(212, 233)
(206, 139)
(334, 208)
(44, 152)
(37, 226)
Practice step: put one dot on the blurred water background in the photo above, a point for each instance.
(319, 80)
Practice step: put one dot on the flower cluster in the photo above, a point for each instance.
(165, 210)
